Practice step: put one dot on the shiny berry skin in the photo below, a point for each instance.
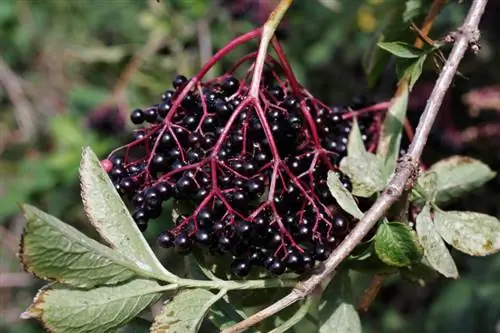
(182, 243)
(295, 261)
(179, 81)
(276, 267)
(137, 117)
(165, 239)
(321, 252)
(203, 237)
(241, 267)
(230, 85)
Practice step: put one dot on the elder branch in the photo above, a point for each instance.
(406, 172)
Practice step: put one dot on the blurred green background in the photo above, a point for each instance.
(70, 71)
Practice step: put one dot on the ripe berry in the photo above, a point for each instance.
(276, 267)
(166, 239)
(137, 116)
(230, 85)
(182, 243)
(203, 237)
(241, 267)
(321, 252)
(179, 81)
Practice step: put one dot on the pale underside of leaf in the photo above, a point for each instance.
(54, 250)
(185, 312)
(469, 232)
(109, 215)
(101, 310)
(365, 172)
(342, 195)
(435, 250)
(456, 175)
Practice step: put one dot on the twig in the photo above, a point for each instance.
(406, 172)
(370, 293)
(436, 7)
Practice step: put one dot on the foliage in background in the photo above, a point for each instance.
(69, 57)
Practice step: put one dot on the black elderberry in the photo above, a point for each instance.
(304, 232)
(255, 258)
(308, 261)
(194, 155)
(208, 141)
(276, 267)
(142, 225)
(165, 239)
(173, 154)
(150, 115)
(295, 261)
(139, 135)
(204, 218)
(261, 158)
(230, 85)
(127, 186)
(190, 122)
(238, 199)
(139, 199)
(290, 103)
(183, 243)
(185, 185)
(152, 197)
(164, 108)
(225, 243)
(244, 229)
(194, 139)
(255, 187)
(179, 81)
(241, 267)
(118, 172)
(166, 141)
(167, 95)
(222, 109)
(321, 252)
(164, 190)
(277, 93)
(203, 237)
(159, 163)
(217, 227)
(340, 224)
(137, 117)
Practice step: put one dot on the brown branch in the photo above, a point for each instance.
(436, 7)
(370, 293)
(406, 172)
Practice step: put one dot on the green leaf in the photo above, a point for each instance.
(54, 250)
(470, 232)
(401, 49)
(413, 72)
(224, 315)
(109, 215)
(456, 176)
(365, 172)
(435, 250)
(185, 312)
(396, 244)
(67, 310)
(336, 310)
(343, 197)
(355, 145)
(392, 128)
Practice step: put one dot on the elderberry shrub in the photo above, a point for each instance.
(255, 171)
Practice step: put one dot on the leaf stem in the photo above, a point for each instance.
(236, 285)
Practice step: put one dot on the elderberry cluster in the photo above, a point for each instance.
(251, 172)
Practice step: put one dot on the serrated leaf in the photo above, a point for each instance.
(365, 172)
(435, 251)
(111, 218)
(336, 310)
(473, 233)
(401, 49)
(456, 176)
(100, 310)
(355, 145)
(396, 245)
(343, 197)
(185, 312)
(54, 250)
(392, 128)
